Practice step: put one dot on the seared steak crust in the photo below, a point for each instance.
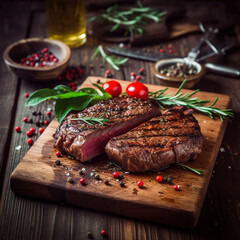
(83, 141)
(174, 137)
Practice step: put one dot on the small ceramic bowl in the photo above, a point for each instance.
(18, 50)
(176, 81)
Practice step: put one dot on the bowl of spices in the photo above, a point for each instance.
(172, 72)
(37, 59)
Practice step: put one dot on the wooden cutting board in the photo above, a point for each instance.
(38, 176)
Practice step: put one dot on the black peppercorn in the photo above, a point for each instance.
(122, 184)
(58, 162)
(106, 181)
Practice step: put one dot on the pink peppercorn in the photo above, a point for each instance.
(17, 129)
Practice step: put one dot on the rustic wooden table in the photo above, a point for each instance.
(26, 218)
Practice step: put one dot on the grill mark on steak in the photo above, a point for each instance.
(171, 138)
(84, 141)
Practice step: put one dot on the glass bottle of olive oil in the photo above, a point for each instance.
(66, 21)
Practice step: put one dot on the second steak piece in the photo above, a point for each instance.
(174, 137)
(84, 142)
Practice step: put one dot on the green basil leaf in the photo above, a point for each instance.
(89, 90)
(63, 89)
(64, 106)
(99, 98)
(70, 95)
(40, 96)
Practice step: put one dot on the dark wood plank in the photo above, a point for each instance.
(13, 28)
(25, 218)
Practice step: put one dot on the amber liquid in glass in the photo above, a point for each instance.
(66, 21)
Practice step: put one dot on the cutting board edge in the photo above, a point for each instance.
(167, 215)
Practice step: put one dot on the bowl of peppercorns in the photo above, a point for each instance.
(172, 72)
(37, 59)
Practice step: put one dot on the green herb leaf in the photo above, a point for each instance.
(68, 100)
(92, 120)
(40, 96)
(64, 106)
(63, 89)
(132, 19)
(113, 61)
(185, 100)
(197, 171)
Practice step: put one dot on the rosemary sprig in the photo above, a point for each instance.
(197, 171)
(92, 120)
(187, 101)
(113, 61)
(132, 19)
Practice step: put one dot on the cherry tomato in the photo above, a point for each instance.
(137, 90)
(112, 87)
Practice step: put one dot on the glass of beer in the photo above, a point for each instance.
(66, 21)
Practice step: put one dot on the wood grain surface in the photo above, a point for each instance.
(26, 218)
(38, 176)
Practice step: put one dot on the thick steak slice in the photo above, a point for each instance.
(174, 137)
(84, 141)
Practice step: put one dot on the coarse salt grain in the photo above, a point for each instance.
(18, 147)
(67, 174)
(126, 172)
(222, 149)
(204, 121)
(91, 174)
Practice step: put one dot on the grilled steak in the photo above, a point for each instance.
(174, 137)
(84, 141)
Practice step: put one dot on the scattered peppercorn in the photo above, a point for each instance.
(30, 120)
(30, 141)
(137, 78)
(122, 184)
(17, 129)
(103, 233)
(58, 154)
(29, 133)
(141, 70)
(34, 113)
(168, 178)
(176, 187)
(81, 172)
(97, 176)
(25, 119)
(120, 176)
(39, 113)
(140, 184)
(82, 180)
(106, 181)
(89, 235)
(46, 122)
(133, 74)
(58, 162)
(70, 180)
(115, 174)
(98, 81)
(26, 95)
(41, 130)
(159, 178)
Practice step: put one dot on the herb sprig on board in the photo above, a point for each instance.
(197, 171)
(186, 100)
(132, 19)
(67, 99)
(113, 61)
(92, 120)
